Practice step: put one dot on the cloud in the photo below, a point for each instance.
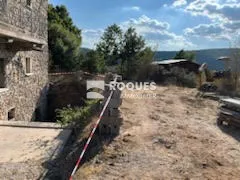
(230, 11)
(232, 1)
(214, 10)
(133, 8)
(157, 33)
(215, 31)
(91, 37)
(233, 26)
(224, 16)
(209, 31)
(179, 3)
(146, 24)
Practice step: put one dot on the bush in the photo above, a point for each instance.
(183, 77)
(227, 86)
(177, 76)
(70, 115)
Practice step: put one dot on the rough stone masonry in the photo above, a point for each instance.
(23, 59)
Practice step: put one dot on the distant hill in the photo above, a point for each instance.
(85, 50)
(208, 56)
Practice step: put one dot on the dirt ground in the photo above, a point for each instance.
(24, 150)
(172, 136)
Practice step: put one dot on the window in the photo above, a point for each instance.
(2, 73)
(28, 66)
(11, 114)
(29, 3)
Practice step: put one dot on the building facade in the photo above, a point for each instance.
(23, 60)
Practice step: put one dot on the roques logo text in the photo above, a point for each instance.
(139, 86)
(131, 86)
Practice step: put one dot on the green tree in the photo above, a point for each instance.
(93, 62)
(124, 48)
(64, 39)
(110, 44)
(133, 44)
(144, 64)
(185, 55)
(89, 63)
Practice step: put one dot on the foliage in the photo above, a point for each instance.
(115, 47)
(107, 52)
(235, 65)
(231, 84)
(124, 48)
(190, 56)
(209, 75)
(177, 76)
(93, 62)
(144, 64)
(133, 44)
(69, 115)
(183, 78)
(110, 44)
(64, 39)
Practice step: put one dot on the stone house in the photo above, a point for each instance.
(23, 59)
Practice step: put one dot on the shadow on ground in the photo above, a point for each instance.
(61, 167)
(231, 130)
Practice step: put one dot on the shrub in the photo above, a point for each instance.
(182, 77)
(70, 115)
(227, 86)
(209, 75)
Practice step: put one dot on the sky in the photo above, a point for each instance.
(166, 25)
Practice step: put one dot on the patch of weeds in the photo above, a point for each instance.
(70, 115)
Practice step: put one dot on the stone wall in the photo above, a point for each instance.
(16, 16)
(111, 120)
(24, 92)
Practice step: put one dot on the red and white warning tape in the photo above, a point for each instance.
(91, 135)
